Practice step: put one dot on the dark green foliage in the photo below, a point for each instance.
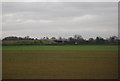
(76, 40)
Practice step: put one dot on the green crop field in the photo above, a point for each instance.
(60, 62)
(81, 48)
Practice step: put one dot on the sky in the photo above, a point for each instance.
(55, 19)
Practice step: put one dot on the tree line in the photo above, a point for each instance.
(75, 40)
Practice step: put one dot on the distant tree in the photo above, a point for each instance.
(20, 38)
(53, 38)
(100, 40)
(113, 40)
(75, 40)
(47, 38)
(11, 38)
(78, 39)
(26, 37)
(44, 38)
(71, 41)
(91, 41)
(60, 38)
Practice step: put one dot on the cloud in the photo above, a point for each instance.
(60, 19)
(84, 18)
(60, 0)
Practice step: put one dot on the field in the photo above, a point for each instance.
(60, 62)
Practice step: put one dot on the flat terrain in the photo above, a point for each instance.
(60, 62)
(66, 47)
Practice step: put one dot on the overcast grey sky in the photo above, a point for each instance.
(39, 19)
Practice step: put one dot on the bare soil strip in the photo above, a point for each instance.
(59, 64)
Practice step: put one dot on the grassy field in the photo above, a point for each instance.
(80, 48)
(60, 62)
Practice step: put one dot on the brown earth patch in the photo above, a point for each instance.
(59, 64)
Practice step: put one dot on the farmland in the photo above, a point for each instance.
(60, 62)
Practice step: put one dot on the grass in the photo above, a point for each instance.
(80, 48)
(60, 62)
